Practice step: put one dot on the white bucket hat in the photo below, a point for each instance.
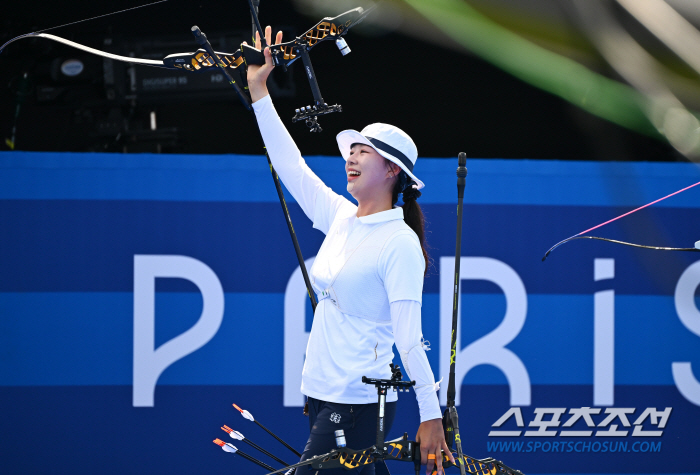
(390, 142)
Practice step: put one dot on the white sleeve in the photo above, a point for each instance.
(318, 201)
(401, 266)
(406, 322)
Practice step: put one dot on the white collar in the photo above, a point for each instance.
(382, 216)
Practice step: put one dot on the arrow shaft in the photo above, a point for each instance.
(255, 461)
(257, 447)
(280, 440)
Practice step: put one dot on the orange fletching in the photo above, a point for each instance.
(219, 442)
(239, 409)
(227, 429)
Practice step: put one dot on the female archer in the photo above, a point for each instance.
(368, 275)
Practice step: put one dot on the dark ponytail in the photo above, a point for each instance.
(412, 213)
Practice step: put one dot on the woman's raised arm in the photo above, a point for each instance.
(318, 201)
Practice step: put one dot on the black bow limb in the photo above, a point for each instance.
(657, 248)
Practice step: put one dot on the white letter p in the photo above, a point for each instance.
(149, 362)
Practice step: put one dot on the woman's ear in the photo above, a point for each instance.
(394, 169)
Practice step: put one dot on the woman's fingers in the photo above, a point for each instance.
(438, 462)
(268, 35)
(434, 463)
(448, 452)
(268, 41)
(435, 458)
(430, 464)
(432, 443)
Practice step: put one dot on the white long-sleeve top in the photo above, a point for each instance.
(345, 343)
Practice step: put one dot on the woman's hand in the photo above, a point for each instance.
(257, 75)
(431, 438)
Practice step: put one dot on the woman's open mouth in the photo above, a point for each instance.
(352, 175)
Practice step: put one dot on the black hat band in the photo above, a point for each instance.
(385, 147)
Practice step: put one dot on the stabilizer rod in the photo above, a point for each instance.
(204, 42)
(450, 418)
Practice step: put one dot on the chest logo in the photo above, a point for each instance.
(335, 417)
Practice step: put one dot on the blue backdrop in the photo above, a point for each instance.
(72, 225)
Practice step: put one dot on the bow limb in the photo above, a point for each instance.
(200, 60)
(87, 49)
(657, 248)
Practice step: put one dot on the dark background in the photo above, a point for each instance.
(448, 101)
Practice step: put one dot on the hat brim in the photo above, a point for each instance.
(348, 137)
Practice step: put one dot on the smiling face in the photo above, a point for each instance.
(369, 177)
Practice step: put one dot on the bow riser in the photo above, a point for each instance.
(284, 54)
(324, 30)
(200, 61)
(400, 450)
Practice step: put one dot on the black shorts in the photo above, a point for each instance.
(359, 421)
